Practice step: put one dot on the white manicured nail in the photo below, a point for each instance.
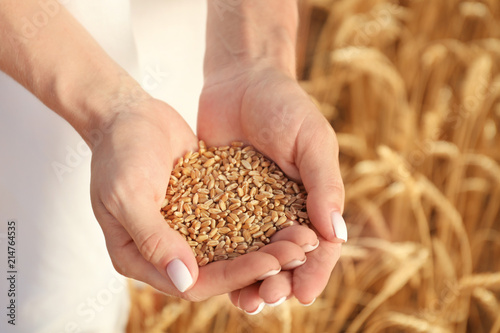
(259, 309)
(310, 303)
(293, 264)
(339, 226)
(278, 302)
(179, 274)
(268, 274)
(309, 247)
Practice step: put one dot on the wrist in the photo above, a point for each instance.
(91, 106)
(251, 36)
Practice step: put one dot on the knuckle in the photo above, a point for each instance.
(227, 274)
(119, 268)
(335, 186)
(121, 191)
(328, 256)
(193, 297)
(150, 247)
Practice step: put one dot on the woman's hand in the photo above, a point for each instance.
(136, 141)
(267, 108)
(131, 166)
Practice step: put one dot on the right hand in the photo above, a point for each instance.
(131, 167)
(266, 107)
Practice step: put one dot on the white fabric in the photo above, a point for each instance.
(65, 280)
(170, 35)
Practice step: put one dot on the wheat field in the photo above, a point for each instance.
(412, 89)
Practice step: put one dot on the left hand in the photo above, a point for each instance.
(265, 107)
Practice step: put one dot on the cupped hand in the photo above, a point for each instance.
(133, 155)
(266, 108)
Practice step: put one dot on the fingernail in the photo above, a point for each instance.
(179, 274)
(294, 264)
(339, 226)
(310, 303)
(309, 247)
(268, 274)
(278, 302)
(259, 309)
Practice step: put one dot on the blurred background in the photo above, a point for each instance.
(412, 89)
(170, 38)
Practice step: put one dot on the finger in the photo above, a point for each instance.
(288, 254)
(310, 279)
(158, 244)
(128, 261)
(273, 291)
(276, 289)
(214, 279)
(250, 301)
(300, 235)
(317, 161)
(225, 276)
(234, 296)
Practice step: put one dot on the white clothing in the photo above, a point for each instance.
(64, 279)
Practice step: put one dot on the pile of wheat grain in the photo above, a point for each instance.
(412, 88)
(228, 201)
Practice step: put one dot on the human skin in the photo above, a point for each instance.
(139, 140)
(251, 94)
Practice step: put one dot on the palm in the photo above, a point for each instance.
(131, 168)
(265, 110)
(270, 111)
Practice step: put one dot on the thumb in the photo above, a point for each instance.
(160, 245)
(318, 164)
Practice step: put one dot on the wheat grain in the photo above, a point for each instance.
(233, 196)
